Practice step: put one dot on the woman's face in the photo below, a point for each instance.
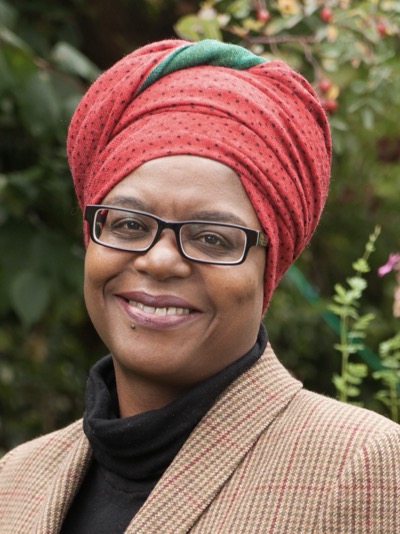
(212, 312)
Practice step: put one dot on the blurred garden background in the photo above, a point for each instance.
(50, 51)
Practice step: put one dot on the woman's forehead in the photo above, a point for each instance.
(188, 186)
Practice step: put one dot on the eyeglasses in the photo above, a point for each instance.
(201, 241)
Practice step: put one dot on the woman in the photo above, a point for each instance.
(202, 171)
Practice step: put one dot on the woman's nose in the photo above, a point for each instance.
(163, 260)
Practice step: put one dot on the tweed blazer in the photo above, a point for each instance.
(268, 457)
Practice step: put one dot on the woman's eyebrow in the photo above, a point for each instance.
(217, 216)
(203, 215)
(128, 202)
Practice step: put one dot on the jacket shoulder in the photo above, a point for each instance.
(332, 433)
(333, 416)
(50, 446)
(30, 473)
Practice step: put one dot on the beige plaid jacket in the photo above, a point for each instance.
(269, 457)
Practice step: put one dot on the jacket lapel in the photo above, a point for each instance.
(66, 483)
(216, 447)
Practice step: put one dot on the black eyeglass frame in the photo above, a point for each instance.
(254, 238)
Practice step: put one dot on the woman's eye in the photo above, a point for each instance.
(128, 224)
(213, 240)
(128, 228)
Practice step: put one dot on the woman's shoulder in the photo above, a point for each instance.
(311, 414)
(34, 473)
(319, 423)
(335, 415)
(46, 448)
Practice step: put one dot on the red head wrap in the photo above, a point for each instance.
(260, 118)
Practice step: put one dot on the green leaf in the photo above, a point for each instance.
(357, 283)
(354, 380)
(189, 27)
(353, 391)
(19, 59)
(30, 296)
(6, 77)
(383, 397)
(8, 14)
(196, 28)
(353, 313)
(339, 383)
(390, 345)
(279, 24)
(368, 118)
(337, 310)
(353, 348)
(346, 299)
(39, 105)
(359, 370)
(338, 124)
(349, 348)
(388, 377)
(361, 266)
(363, 322)
(9, 37)
(340, 290)
(238, 8)
(74, 62)
(339, 347)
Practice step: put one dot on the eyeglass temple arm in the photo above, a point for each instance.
(262, 240)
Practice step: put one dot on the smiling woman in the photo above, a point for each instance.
(202, 171)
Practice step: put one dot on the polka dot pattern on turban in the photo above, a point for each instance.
(261, 118)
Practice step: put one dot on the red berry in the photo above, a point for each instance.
(263, 15)
(330, 105)
(324, 85)
(326, 14)
(381, 28)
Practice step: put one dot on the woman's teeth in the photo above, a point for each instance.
(159, 311)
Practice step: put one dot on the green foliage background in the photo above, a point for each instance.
(49, 53)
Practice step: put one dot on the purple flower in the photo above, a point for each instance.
(392, 264)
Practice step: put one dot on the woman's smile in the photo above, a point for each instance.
(162, 311)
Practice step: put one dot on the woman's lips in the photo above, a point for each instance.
(162, 311)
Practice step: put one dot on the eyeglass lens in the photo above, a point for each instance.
(132, 231)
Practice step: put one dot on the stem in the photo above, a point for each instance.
(345, 315)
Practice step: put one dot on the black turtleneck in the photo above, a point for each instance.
(132, 453)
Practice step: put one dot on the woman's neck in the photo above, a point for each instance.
(138, 395)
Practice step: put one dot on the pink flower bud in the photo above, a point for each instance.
(393, 264)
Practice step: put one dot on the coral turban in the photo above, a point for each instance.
(218, 101)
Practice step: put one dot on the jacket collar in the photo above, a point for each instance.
(216, 447)
(206, 461)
